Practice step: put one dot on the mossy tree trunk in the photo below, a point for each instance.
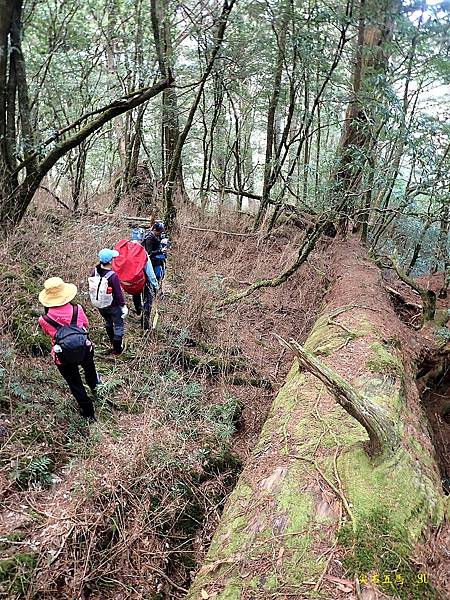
(311, 464)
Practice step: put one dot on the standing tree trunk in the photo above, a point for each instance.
(169, 205)
(119, 125)
(374, 30)
(271, 115)
(170, 133)
(78, 187)
(441, 253)
(21, 177)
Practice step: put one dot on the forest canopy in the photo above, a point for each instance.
(297, 106)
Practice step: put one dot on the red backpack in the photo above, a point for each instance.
(130, 265)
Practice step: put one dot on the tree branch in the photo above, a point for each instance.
(428, 296)
(383, 434)
(106, 113)
(113, 110)
(55, 197)
(303, 253)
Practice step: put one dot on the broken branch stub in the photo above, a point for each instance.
(383, 435)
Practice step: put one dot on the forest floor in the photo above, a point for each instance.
(125, 508)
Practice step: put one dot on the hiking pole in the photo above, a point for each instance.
(155, 313)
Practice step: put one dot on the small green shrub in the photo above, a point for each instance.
(443, 333)
(36, 471)
(16, 573)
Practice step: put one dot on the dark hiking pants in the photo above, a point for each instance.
(137, 301)
(114, 324)
(71, 374)
(148, 301)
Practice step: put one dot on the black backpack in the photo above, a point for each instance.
(72, 339)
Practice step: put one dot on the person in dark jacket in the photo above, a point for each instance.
(114, 314)
(152, 244)
(57, 298)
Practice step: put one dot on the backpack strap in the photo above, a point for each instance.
(52, 322)
(109, 274)
(74, 315)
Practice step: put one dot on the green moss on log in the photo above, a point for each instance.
(272, 523)
(383, 359)
(400, 485)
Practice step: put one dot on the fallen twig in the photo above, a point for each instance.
(218, 231)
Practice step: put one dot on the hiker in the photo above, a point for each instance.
(151, 284)
(66, 323)
(152, 244)
(116, 310)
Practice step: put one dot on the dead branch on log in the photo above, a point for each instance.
(125, 217)
(218, 231)
(428, 296)
(147, 220)
(383, 434)
(399, 296)
(304, 251)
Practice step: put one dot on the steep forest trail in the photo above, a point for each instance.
(312, 515)
(127, 509)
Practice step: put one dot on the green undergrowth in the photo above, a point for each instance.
(41, 428)
(182, 480)
(20, 289)
(16, 573)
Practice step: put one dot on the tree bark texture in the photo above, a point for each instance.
(357, 138)
(312, 455)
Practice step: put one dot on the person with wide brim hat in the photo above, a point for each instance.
(56, 292)
(60, 311)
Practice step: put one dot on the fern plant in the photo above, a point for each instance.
(37, 472)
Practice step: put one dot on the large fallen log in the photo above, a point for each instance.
(312, 489)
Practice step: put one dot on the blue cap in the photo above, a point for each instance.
(106, 255)
(137, 234)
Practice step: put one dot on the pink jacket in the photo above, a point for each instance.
(62, 315)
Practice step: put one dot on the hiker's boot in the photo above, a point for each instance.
(117, 347)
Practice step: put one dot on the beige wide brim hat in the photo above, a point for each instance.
(56, 292)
